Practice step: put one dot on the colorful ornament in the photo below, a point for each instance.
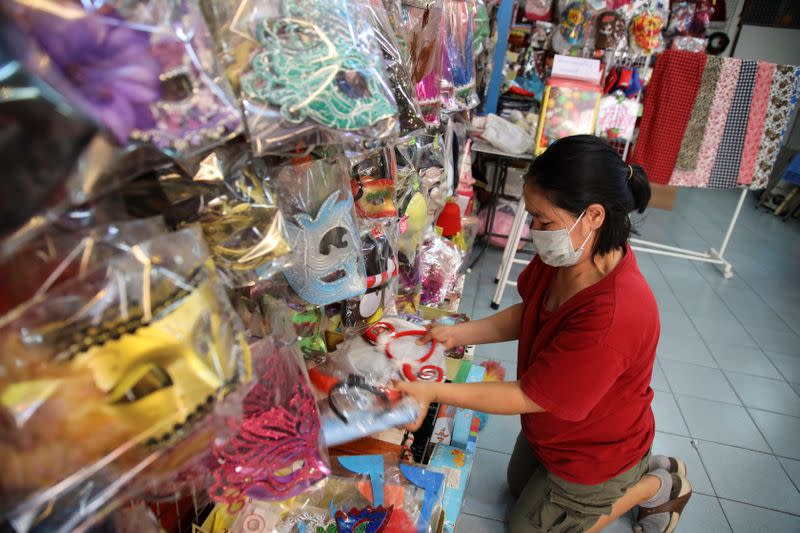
(645, 30)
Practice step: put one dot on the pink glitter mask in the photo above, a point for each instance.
(280, 428)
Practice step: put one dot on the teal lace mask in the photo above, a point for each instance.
(317, 63)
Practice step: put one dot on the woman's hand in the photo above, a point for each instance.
(447, 336)
(424, 393)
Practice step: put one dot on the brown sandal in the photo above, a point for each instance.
(678, 498)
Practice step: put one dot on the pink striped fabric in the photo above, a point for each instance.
(755, 125)
(723, 96)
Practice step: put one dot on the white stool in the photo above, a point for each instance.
(510, 254)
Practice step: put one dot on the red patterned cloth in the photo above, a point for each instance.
(668, 106)
(755, 125)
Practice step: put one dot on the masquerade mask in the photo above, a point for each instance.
(276, 453)
(313, 68)
(646, 29)
(611, 31)
(161, 82)
(326, 265)
(373, 185)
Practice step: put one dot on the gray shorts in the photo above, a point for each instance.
(548, 504)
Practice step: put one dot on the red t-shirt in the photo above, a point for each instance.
(589, 364)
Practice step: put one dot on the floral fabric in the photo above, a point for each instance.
(696, 128)
(755, 126)
(723, 96)
(782, 99)
(668, 105)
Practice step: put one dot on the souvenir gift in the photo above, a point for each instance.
(611, 32)
(372, 181)
(167, 90)
(318, 74)
(139, 353)
(572, 27)
(277, 451)
(645, 30)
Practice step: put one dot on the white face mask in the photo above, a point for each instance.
(554, 248)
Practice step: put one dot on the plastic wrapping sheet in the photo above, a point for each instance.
(115, 381)
(458, 61)
(339, 504)
(276, 450)
(326, 261)
(316, 75)
(145, 72)
(228, 196)
(58, 256)
(396, 61)
(440, 263)
(43, 137)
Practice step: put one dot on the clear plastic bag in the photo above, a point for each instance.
(457, 59)
(316, 75)
(645, 30)
(227, 195)
(424, 27)
(116, 381)
(372, 178)
(145, 72)
(326, 261)
(398, 68)
(573, 27)
(277, 449)
(440, 263)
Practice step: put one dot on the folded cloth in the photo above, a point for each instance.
(755, 124)
(723, 95)
(782, 99)
(725, 173)
(696, 128)
(668, 104)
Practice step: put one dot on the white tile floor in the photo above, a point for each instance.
(727, 376)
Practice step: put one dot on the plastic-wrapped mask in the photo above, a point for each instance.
(326, 260)
(611, 31)
(646, 29)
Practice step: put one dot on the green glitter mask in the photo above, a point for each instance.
(316, 65)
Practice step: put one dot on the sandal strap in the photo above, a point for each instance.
(672, 506)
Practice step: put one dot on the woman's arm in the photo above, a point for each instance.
(494, 397)
(502, 326)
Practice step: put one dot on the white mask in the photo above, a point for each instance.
(554, 248)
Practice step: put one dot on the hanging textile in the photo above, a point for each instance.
(725, 173)
(696, 128)
(758, 111)
(723, 95)
(668, 105)
(782, 99)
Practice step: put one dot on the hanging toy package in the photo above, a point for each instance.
(572, 27)
(157, 62)
(645, 30)
(680, 18)
(316, 75)
(372, 178)
(378, 245)
(458, 63)
(141, 353)
(617, 116)
(277, 449)
(423, 26)
(612, 31)
(398, 69)
(241, 222)
(326, 262)
(441, 262)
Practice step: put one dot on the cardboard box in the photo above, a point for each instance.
(462, 424)
(662, 196)
(456, 464)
